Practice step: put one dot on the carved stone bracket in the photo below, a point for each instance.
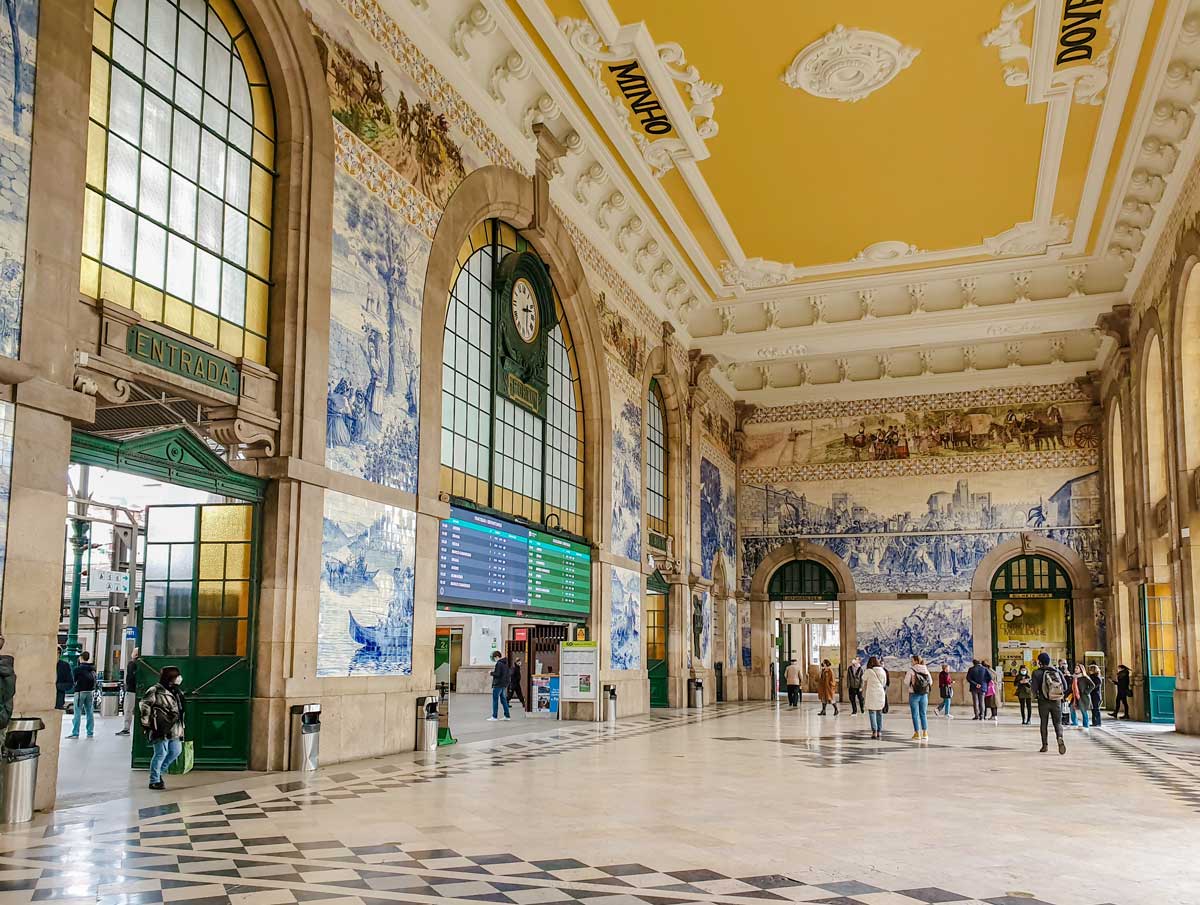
(256, 441)
(1116, 323)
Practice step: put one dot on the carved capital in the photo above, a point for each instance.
(1116, 323)
(256, 441)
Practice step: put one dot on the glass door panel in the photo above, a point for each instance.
(1161, 647)
(656, 649)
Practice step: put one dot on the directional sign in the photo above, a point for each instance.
(107, 581)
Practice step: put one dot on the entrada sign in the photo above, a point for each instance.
(1075, 37)
(639, 96)
(171, 355)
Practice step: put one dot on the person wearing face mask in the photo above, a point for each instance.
(161, 714)
(1097, 692)
(1024, 686)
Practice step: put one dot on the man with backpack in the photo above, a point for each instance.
(854, 684)
(1049, 687)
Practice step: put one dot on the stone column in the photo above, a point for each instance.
(761, 650)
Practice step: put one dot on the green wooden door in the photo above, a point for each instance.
(656, 640)
(1160, 647)
(197, 613)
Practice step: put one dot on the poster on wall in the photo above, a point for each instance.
(366, 606)
(894, 630)
(579, 668)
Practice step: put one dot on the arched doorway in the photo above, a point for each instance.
(1032, 612)
(804, 598)
(657, 590)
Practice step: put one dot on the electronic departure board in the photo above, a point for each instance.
(485, 561)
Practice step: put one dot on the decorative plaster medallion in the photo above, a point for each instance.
(882, 252)
(847, 64)
(757, 273)
(1030, 238)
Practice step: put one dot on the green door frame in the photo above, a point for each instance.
(797, 580)
(177, 456)
(1160, 689)
(658, 671)
(1057, 587)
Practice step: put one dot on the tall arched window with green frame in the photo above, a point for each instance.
(495, 453)
(180, 170)
(657, 467)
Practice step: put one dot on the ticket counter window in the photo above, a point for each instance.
(1031, 614)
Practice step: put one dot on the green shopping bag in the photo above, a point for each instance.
(185, 761)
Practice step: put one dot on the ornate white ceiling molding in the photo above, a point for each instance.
(663, 64)
(848, 64)
(1030, 238)
(886, 252)
(1035, 65)
(757, 273)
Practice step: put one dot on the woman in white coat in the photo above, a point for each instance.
(875, 681)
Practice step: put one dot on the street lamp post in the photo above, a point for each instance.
(79, 544)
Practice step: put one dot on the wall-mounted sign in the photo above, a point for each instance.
(579, 663)
(156, 349)
(520, 634)
(108, 581)
(1077, 31)
(639, 97)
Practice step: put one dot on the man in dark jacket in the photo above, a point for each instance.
(500, 677)
(854, 684)
(1124, 682)
(85, 686)
(1049, 688)
(978, 677)
(63, 683)
(130, 701)
(8, 686)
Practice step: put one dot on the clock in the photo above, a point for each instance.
(525, 313)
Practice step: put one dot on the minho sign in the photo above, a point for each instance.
(171, 355)
(640, 98)
(1077, 35)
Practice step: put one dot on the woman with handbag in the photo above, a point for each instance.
(946, 690)
(875, 682)
(161, 714)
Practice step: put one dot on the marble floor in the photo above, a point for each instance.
(743, 802)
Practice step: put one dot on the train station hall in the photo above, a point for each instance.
(618, 452)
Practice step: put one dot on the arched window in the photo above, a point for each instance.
(656, 465)
(181, 150)
(803, 579)
(495, 453)
(1032, 574)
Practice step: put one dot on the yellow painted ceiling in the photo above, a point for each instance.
(941, 157)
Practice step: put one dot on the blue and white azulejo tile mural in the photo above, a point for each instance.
(379, 267)
(625, 630)
(18, 53)
(744, 622)
(718, 519)
(706, 628)
(366, 615)
(731, 634)
(894, 630)
(7, 410)
(626, 465)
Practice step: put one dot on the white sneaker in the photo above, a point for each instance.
(491, 719)
(949, 716)
(507, 718)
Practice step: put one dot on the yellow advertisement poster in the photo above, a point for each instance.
(1025, 628)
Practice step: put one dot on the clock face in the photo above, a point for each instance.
(525, 310)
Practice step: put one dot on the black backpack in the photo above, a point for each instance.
(921, 683)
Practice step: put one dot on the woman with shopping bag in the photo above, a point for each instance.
(161, 713)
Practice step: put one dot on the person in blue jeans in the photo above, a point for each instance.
(919, 683)
(161, 715)
(875, 683)
(84, 678)
(500, 677)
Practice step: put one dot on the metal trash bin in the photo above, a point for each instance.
(696, 694)
(110, 698)
(610, 705)
(428, 720)
(18, 769)
(306, 737)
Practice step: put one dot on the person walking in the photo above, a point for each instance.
(875, 681)
(919, 683)
(1068, 706)
(827, 688)
(161, 714)
(130, 683)
(854, 684)
(1097, 692)
(1081, 696)
(946, 690)
(1024, 685)
(991, 696)
(1124, 682)
(791, 678)
(500, 674)
(514, 682)
(1049, 687)
(63, 683)
(977, 679)
(83, 678)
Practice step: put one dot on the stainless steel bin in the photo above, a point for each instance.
(18, 769)
(306, 737)
(428, 720)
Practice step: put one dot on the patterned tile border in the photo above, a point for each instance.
(1058, 392)
(925, 465)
